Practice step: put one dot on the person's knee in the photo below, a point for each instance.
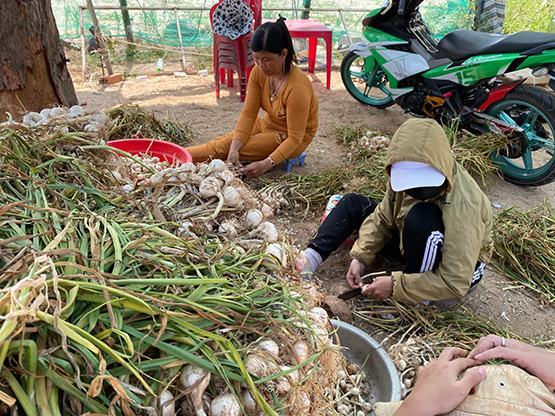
(425, 217)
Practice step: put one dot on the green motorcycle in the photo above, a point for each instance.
(459, 78)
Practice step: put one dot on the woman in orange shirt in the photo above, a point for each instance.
(285, 94)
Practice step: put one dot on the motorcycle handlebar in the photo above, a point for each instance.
(401, 8)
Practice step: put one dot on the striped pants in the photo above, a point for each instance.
(423, 233)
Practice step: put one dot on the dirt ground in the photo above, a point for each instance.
(192, 99)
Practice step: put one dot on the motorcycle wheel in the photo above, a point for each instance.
(533, 110)
(367, 88)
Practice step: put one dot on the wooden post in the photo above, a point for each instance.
(180, 40)
(99, 38)
(83, 44)
(127, 26)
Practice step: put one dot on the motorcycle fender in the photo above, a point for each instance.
(499, 93)
(361, 49)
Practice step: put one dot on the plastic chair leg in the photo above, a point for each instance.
(230, 78)
(328, 62)
(312, 44)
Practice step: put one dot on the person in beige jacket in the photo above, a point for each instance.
(435, 209)
(458, 384)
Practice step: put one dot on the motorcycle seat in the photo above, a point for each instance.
(462, 44)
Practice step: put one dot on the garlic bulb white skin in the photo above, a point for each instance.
(166, 404)
(266, 210)
(254, 218)
(75, 111)
(91, 127)
(57, 112)
(302, 404)
(249, 403)
(232, 197)
(197, 380)
(268, 232)
(217, 165)
(260, 366)
(210, 187)
(278, 251)
(45, 113)
(32, 119)
(98, 118)
(269, 346)
(228, 228)
(301, 351)
(187, 167)
(226, 176)
(319, 317)
(225, 405)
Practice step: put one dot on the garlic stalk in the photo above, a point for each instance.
(195, 380)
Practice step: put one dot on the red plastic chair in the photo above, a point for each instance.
(234, 55)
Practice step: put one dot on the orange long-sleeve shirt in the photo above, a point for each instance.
(293, 112)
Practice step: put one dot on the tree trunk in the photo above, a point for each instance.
(33, 71)
(127, 26)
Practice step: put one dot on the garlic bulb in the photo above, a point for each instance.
(91, 127)
(75, 111)
(266, 210)
(166, 404)
(57, 112)
(210, 187)
(217, 165)
(278, 251)
(319, 317)
(302, 404)
(225, 405)
(249, 403)
(227, 228)
(268, 232)
(197, 380)
(226, 176)
(232, 197)
(283, 383)
(253, 218)
(269, 346)
(45, 113)
(32, 119)
(300, 351)
(187, 167)
(260, 366)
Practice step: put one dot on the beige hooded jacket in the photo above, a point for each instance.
(467, 218)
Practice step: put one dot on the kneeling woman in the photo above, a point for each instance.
(285, 94)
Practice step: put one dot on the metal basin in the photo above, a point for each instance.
(363, 350)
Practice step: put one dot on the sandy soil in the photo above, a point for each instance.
(192, 99)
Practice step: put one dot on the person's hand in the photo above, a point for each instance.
(233, 157)
(381, 288)
(537, 361)
(439, 387)
(255, 169)
(356, 270)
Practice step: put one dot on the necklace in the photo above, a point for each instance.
(274, 92)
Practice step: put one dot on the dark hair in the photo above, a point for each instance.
(274, 37)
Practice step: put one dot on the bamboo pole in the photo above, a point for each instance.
(83, 44)
(99, 38)
(180, 40)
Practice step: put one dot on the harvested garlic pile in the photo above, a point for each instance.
(371, 142)
(73, 119)
(351, 394)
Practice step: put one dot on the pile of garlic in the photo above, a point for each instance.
(351, 393)
(264, 358)
(208, 197)
(371, 142)
(408, 356)
(73, 119)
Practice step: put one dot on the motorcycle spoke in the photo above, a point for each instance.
(531, 119)
(527, 159)
(356, 74)
(503, 116)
